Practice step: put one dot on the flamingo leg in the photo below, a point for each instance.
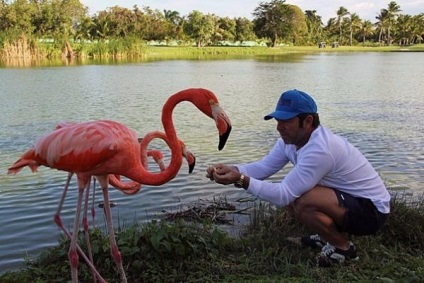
(59, 223)
(57, 218)
(72, 254)
(116, 254)
(93, 211)
(85, 225)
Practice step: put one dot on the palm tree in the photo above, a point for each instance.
(404, 28)
(172, 16)
(417, 28)
(176, 23)
(381, 24)
(341, 13)
(391, 14)
(354, 24)
(367, 29)
(314, 24)
(332, 29)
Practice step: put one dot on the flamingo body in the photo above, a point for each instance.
(90, 148)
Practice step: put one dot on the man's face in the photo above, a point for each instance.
(290, 131)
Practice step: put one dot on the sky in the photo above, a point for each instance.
(367, 10)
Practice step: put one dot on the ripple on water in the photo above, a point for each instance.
(382, 123)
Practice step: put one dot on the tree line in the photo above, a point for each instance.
(65, 22)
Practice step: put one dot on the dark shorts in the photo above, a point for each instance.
(362, 217)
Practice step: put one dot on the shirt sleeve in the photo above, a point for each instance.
(312, 166)
(273, 162)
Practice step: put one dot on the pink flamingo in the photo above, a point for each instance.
(102, 148)
(129, 188)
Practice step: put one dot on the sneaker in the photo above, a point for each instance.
(330, 255)
(313, 241)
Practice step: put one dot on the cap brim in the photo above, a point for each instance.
(280, 115)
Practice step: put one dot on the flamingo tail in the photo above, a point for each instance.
(28, 159)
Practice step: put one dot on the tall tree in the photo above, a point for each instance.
(417, 29)
(273, 20)
(200, 27)
(299, 29)
(176, 24)
(244, 30)
(367, 29)
(225, 29)
(341, 13)
(332, 29)
(100, 28)
(120, 21)
(314, 24)
(403, 27)
(381, 24)
(391, 14)
(354, 25)
(17, 17)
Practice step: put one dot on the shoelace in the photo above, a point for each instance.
(315, 237)
(328, 250)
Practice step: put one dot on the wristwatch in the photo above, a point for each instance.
(240, 182)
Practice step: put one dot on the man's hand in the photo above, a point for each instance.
(223, 174)
(210, 171)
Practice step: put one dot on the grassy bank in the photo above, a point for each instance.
(24, 54)
(111, 54)
(130, 48)
(161, 51)
(181, 251)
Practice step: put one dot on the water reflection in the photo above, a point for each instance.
(25, 62)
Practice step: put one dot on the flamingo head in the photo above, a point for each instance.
(208, 103)
(189, 156)
(158, 158)
(205, 101)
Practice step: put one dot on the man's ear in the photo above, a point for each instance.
(308, 120)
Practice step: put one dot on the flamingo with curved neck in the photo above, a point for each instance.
(101, 148)
(205, 101)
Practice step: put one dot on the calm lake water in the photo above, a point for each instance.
(375, 100)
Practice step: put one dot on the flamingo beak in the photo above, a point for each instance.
(191, 165)
(189, 156)
(223, 124)
(224, 137)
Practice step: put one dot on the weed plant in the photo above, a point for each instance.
(180, 251)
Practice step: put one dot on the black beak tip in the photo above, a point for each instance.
(223, 139)
(191, 166)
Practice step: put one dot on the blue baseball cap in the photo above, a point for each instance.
(292, 103)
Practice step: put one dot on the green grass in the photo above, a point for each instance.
(47, 54)
(180, 251)
(154, 52)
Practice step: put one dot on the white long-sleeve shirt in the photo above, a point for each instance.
(327, 160)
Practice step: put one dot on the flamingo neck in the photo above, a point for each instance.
(144, 176)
